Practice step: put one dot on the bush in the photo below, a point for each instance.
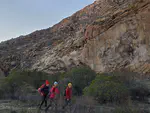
(137, 88)
(117, 87)
(18, 79)
(139, 91)
(81, 77)
(107, 88)
(24, 82)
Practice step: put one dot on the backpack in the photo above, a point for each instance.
(65, 92)
(53, 91)
(45, 89)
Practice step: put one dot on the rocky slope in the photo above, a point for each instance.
(106, 35)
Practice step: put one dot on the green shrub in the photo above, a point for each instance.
(137, 88)
(118, 87)
(81, 77)
(32, 80)
(107, 88)
(139, 91)
(17, 80)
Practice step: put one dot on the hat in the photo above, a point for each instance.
(47, 82)
(55, 83)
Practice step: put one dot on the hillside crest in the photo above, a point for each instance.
(106, 35)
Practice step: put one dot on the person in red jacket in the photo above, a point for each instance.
(68, 95)
(44, 91)
(53, 95)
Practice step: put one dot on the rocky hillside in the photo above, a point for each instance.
(106, 35)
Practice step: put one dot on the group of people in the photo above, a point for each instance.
(52, 93)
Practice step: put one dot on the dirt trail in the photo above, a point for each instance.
(8, 106)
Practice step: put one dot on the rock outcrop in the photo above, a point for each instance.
(106, 35)
(120, 39)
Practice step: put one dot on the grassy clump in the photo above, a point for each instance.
(107, 89)
(117, 87)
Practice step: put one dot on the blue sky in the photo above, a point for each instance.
(21, 17)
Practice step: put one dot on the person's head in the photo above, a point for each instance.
(55, 84)
(70, 85)
(47, 83)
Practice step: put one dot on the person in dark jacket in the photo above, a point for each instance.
(44, 91)
(68, 95)
(54, 92)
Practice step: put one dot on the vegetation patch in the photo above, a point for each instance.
(20, 82)
(117, 87)
(80, 77)
(107, 89)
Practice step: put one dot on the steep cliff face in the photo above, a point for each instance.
(106, 35)
(120, 39)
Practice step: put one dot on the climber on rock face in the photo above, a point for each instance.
(44, 91)
(54, 92)
(68, 95)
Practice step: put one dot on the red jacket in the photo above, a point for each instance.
(54, 91)
(68, 93)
